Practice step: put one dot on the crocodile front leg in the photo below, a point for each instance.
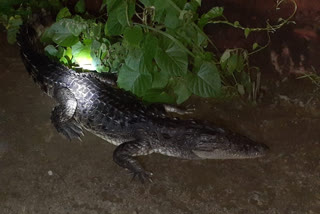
(62, 115)
(123, 156)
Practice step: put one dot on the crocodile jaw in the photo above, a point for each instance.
(238, 152)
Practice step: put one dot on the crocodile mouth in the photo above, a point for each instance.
(241, 152)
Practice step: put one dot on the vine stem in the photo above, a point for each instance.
(127, 15)
(263, 47)
(269, 28)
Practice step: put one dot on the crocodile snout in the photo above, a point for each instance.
(263, 149)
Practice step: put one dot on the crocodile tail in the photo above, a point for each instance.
(26, 36)
(33, 60)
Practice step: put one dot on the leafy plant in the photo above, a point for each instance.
(13, 12)
(157, 48)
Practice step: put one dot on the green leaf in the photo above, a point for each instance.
(133, 75)
(94, 31)
(207, 82)
(225, 56)
(232, 63)
(172, 59)
(133, 35)
(63, 13)
(114, 27)
(82, 54)
(46, 37)
(116, 56)
(106, 29)
(224, 59)
(96, 52)
(172, 19)
(64, 60)
(236, 24)
(76, 48)
(80, 7)
(134, 81)
(160, 9)
(157, 96)
(179, 3)
(119, 15)
(182, 92)
(150, 46)
(255, 45)
(193, 5)
(148, 3)
(65, 32)
(76, 25)
(64, 37)
(61, 52)
(160, 79)
(95, 48)
(241, 62)
(201, 39)
(69, 53)
(4, 19)
(51, 50)
(13, 28)
(246, 32)
(212, 14)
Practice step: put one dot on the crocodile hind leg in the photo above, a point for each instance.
(123, 156)
(62, 115)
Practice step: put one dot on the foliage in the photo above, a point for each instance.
(14, 11)
(312, 76)
(157, 48)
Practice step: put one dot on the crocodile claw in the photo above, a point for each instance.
(143, 176)
(69, 129)
(190, 109)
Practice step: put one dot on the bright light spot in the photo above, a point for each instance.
(85, 63)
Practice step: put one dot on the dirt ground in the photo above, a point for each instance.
(41, 172)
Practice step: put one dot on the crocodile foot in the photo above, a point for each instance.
(142, 176)
(124, 155)
(70, 129)
(62, 115)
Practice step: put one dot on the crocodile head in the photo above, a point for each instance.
(228, 145)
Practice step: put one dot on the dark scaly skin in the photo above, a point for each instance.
(92, 102)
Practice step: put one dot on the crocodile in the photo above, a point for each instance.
(90, 101)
